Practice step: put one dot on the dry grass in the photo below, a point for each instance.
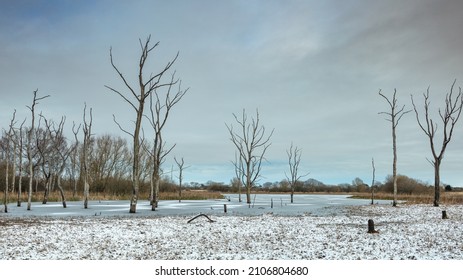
(55, 196)
(446, 197)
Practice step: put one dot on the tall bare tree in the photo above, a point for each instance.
(181, 168)
(160, 108)
(7, 148)
(394, 115)
(136, 99)
(20, 141)
(72, 168)
(87, 129)
(30, 133)
(251, 142)
(449, 117)
(294, 159)
(63, 150)
(373, 181)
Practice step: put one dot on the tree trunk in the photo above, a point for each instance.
(136, 156)
(5, 201)
(155, 201)
(292, 196)
(86, 193)
(60, 188)
(394, 164)
(437, 182)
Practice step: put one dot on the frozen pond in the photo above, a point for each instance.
(310, 204)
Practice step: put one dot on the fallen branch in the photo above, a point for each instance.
(204, 215)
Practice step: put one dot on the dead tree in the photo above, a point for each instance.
(449, 117)
(251, 143)
(63, 151)
(30, 133)
(9, 137)
(136, 99)
(74, 159)
(373, 182)
(294, 159)
(20, 142)
(238, 164)
(181, 168)
(87, 129)
(394, 117)
(160, 108)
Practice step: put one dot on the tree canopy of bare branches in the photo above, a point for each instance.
(251, 142)
(448, 117)
(136, 98)
(30, 133)
(394, 115)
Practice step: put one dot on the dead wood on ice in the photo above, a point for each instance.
(204, 215)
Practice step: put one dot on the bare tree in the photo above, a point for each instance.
(251, 143)
(30, 133)
(47, 156)
(394, 117)
(63, 150)
(240, 178)
(373, 181)
(87, 129)
(181, 168)
(160, 108)
(7, 148)
(72, 168)
(294, 159)
(146, 89)
(449, 117)
(20, 142)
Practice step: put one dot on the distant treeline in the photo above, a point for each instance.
(405, 185)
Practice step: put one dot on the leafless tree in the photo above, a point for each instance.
(7, 148)
(294, 159)
(394, 117)
(160, 108)
(240, 178)
(449, 117)
(181, 168)
(87, 129)
(72, 167)
(251, 143)
(109, 155)
(20, 142)
(136, 99)
(63, 150)
(30, 134)
(373, 181)
(47, 156)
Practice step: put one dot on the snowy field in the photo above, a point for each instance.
(405, 232)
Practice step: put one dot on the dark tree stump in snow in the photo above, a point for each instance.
(444, 215)
(371, 227)
(201, 215)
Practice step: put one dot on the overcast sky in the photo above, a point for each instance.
(312, 69)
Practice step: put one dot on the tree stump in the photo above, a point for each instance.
(371, 227)
(444, 214)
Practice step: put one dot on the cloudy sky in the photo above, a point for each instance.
(312, 69)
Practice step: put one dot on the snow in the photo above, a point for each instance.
(405, 232)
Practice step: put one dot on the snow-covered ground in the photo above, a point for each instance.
(405, 232)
